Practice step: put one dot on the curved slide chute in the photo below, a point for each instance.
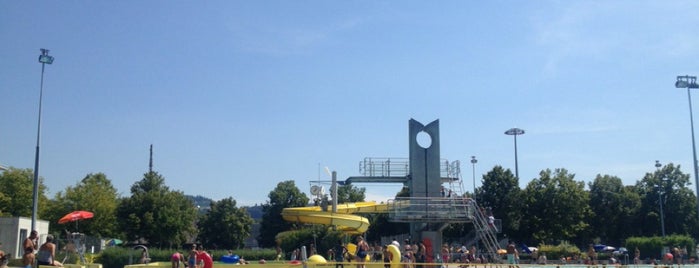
(342, 219)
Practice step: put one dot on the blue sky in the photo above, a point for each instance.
(237, 96)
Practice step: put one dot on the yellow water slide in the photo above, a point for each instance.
(343, 219)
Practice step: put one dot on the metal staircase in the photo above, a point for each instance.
(452, 207)
(484, 232)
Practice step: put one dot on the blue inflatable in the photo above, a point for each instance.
(230, 259)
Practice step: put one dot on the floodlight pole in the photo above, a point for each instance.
(473, 164)
(660, 199)
(515, 132)
(44, 58)
(686, 81)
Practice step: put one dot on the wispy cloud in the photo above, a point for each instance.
(282, 39)
(569, 31)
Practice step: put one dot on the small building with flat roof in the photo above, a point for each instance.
(13, 231)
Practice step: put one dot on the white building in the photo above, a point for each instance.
(13, 231)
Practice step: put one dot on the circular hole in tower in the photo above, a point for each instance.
(424, 139)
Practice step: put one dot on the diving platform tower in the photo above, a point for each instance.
(431, 207)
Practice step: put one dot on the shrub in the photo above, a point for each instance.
(564, 249)
(652, 247)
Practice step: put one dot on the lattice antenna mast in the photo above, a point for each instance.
(150, 162)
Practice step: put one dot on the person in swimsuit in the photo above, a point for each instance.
(387, 257)
(32, 241)
(339, 253)
(192, 258)
(47, 253)
(362, 251)
(445, 254)
(28, 257)
(176, 259)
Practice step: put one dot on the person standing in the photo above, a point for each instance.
(387, 257)
(28, 258)
(592, 255)
(420, 254)
(362, 251)
(339, 252)
(192, 258)
(511, 250)
(378, 253)
(32, 241)
(445, 254)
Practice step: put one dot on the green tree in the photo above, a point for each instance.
(225, 225)
(285, 195)
(156, 215)
(615, 209)
(350, 193)
(94, 193)
(500, 191)
(679, 202)
(17, 193)
(556, 207)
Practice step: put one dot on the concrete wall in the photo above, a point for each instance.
(13, 231)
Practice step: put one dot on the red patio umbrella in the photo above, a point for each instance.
(75, 216)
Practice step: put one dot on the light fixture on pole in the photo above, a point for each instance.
(515, 132)
(660, 198)
(686, 81)
(44, 58)
(473, 163)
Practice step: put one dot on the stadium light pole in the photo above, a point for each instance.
(689, 82)
(660, 199)
(473, 164)
(515, 132)
(44, 59)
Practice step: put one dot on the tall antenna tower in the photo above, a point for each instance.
(150, 163)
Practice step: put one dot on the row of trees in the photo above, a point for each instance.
(551, 208)
(556, 207)
(152, 214)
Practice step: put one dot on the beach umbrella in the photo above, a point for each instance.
(114, 242)
(608, 248)
(76, 216)
(599, 247)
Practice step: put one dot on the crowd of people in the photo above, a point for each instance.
(412, 255)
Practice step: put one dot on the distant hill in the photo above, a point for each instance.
(255, 212)
(200, 201)
(204, 204)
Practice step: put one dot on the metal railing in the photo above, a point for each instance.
(400, 167)
(434, 209)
